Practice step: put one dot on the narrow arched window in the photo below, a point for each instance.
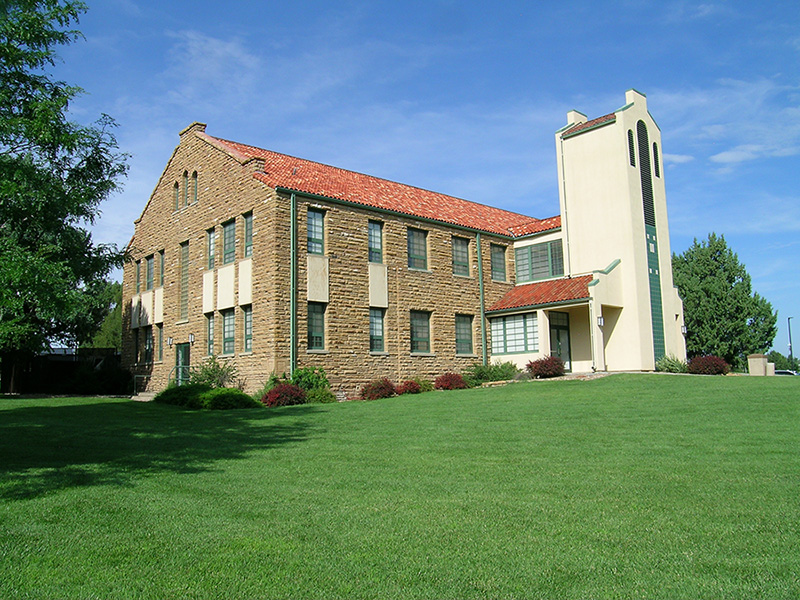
(656, 168)
(185, 188)
(631, 155)
(177, 196)
(194, 187)
(645, 173)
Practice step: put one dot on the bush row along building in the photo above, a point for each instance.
(275, 262)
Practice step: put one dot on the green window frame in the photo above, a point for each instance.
(631, 150)
(210, 334)
(375, 241)
(160, 342)
(247, 312)
(539, 261)
(177, 192)
(161, 268)
(229, 242)
(656, 167)
(149, 270)
(460, 256)
(316, 326)
(186, 188)
(515, 333)
(194, 187)
(417, 249)
(376, 332)
(184, 293)
(463, 334)
(498, 253)
(148, 345)
(315, 231)
(228, 331)
(420, 332)
(211, 247)
(248, 234)
(138, 276)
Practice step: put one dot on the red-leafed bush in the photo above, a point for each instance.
(708, 365)
(549, 366)
(379, 388)
(450, 381)
(284, 394)
(408, 387)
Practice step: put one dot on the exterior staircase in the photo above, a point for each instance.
(143, 397)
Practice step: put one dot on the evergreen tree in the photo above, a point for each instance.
(54, 174)
(722, 314)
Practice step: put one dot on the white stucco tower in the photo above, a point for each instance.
(614, 224)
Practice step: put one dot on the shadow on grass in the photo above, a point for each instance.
(44, 449)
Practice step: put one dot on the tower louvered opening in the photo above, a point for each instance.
(646, 175)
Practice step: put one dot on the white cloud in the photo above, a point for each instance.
(677, 159)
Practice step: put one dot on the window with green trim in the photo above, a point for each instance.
(210, 334)
(138, 276)
(194, 187)
(247, 312)
(376, 330)
(515, 333)
(184, 293)
(375, 241)
(539, 261)
(631, 151)
(228, 331)
(160, 342)
(498, 262)
(316, 326)
(420, 332)
(186, 188)
(656, 167)
(211, 247)
(177, 192)
(148, 345)
(417, 249)
(161, 268)
(460, 256)
(228, 242)
(316, 231)
(248, 234)
(149, 270)
(463, 334)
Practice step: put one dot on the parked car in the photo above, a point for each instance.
(784, 372)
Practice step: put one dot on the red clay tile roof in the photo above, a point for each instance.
(544, 292)
(281, 170)
(599, 121)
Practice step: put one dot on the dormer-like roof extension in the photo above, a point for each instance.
(317, 179)
(543, 293)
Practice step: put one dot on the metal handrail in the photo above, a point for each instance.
(177, 368)
(136, 378)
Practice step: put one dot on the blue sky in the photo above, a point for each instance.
(464, 98)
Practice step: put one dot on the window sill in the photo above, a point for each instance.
(310, 351)
(500, 280)
(463, 276)
(420, 270)
(246, 353)
(379, 354)
(466, 355)
(423, 354)
(182, 322)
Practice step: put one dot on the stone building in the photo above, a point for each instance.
(276, 262)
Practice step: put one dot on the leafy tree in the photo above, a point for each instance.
(110, 333)
(782, 362)
(722, 314)
(54, 174)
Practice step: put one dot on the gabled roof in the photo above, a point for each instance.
(552, 291)
(594, 123)
(297, 174)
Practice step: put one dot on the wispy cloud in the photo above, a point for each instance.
(677, 159)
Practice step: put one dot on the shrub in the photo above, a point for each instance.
(227, 398)
(215, 374)
(311, 378)
(285, 394)
(408, 387)
(708, 365)
(320, 396)
(271, 382)
(183, 395)
(479, 373)
(425, 385)
(450, 381)
(671, 364)
(379, 388)
(549, 366)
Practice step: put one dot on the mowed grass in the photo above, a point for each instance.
(630, 486)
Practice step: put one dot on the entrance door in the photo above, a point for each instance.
(559, 337)
(182, 363)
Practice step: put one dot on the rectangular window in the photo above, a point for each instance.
(460, 256)
(316, 231)
(376, 330)
(184, 294)
(228, 331)
(149, 270)
(498, 262)
(517, 333)
(177, 196)
(148, 345)
(160, 342)
(210, 334)
(228, 242)
(463, 334)
(185, 188)
(540, 261)
(248, 234)
(247, 311)
(375, 242)
(316, 326)
(161, 268)
(138, 276)
(420, 331)
(211, 247)
(417, 249)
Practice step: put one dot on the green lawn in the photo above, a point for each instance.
(628, 486)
